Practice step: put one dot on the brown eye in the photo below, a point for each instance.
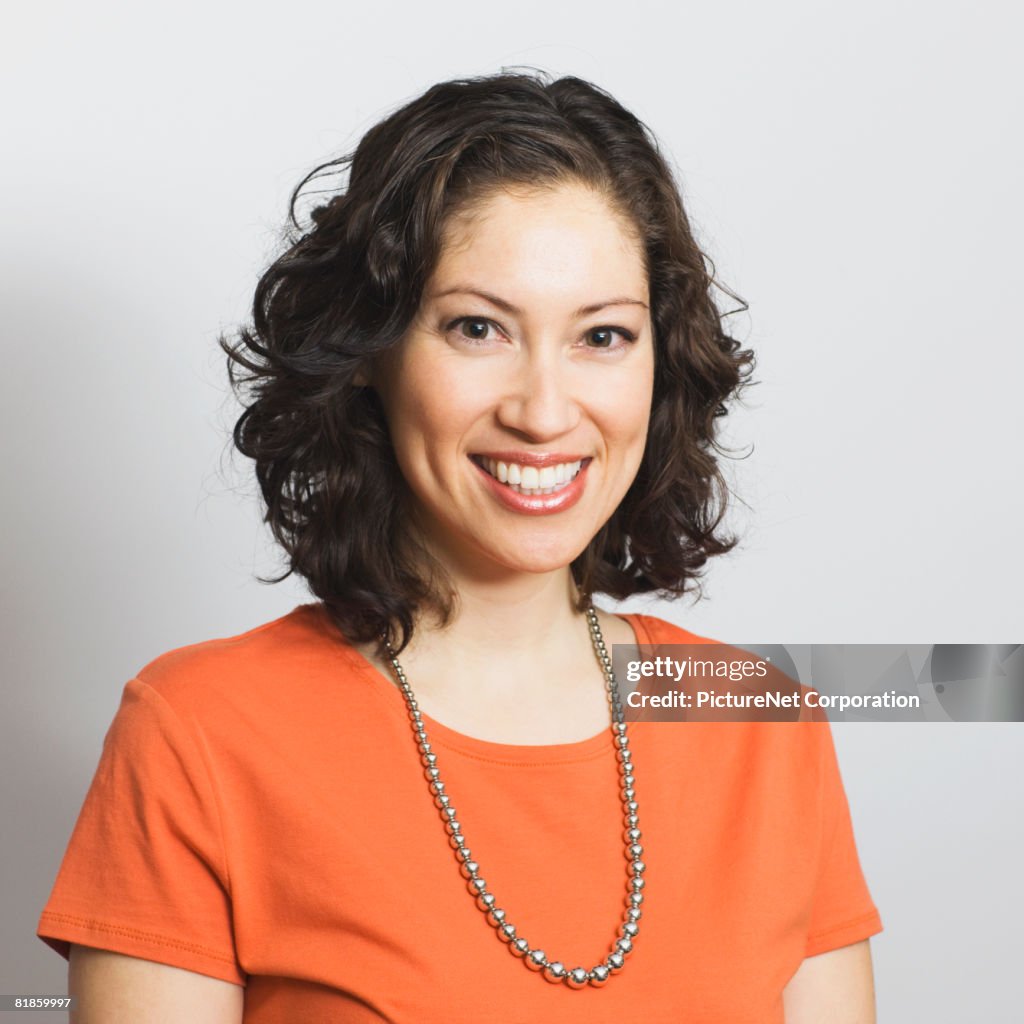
(472, 328)
(604, 337)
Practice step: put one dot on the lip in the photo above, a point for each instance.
(538, 459)
(538, 504)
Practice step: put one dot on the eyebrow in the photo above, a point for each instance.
(501, 303)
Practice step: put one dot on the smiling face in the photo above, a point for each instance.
(518, 401)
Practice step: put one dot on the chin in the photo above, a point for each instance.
(539, 558)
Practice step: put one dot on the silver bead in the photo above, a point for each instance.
(638, 867)
(485, 901)
(476, 885)
(507, 932)
(599, 975)
(636, 898)
(629, 929)
(624, 945)
(452, 827)
(636, 884)
(437, 786)
(634, 850)
(555, 971)
(632, 807)
(634, 914)
(633, 835)
(519, 947)
(536, 960)
(496, 917)
(432, 773)
(441, 800)
(577, 977)
(629, 793)
(615, 961)
(469, 868)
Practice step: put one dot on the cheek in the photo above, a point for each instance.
(627, 414)
(626, 432)
(414, 404)
(429, 416)
(445, 409)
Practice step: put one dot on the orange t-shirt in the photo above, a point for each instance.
(260, 814)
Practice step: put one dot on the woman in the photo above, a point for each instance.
(484, 389)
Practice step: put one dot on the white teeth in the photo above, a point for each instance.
(532, 480)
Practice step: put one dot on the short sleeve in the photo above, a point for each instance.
(144, 872)
(842, 910)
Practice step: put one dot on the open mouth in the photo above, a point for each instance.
(531, 481)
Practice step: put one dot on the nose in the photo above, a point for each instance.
(540, 401)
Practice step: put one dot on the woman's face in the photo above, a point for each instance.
(519, 399)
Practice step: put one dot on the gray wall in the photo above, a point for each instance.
(854, 175)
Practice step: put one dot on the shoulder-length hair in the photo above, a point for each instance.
(349, 284)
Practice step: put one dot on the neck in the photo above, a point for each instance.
(504, 626)
(519, 643)
(524, 612)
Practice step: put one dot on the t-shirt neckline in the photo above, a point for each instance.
(518, 754)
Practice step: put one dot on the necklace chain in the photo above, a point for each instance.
(535, 958)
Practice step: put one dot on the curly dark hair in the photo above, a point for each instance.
(348, 286)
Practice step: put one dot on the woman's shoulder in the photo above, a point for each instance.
(271, 653)
(651, 629)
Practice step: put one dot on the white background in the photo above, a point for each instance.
(854, 172)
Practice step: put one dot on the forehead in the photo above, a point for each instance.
(559, 239)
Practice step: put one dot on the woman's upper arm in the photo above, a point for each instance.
(116, 989)
(836, 987)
